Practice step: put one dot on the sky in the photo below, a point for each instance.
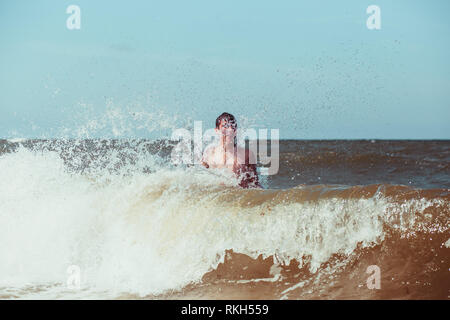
(311, 69)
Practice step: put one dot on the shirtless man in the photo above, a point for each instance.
(227, 154)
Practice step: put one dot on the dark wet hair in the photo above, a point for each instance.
(227, 116)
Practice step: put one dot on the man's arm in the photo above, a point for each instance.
(206, 156)
(248, 172)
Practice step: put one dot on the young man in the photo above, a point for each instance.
(227, 154)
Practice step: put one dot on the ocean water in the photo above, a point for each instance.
(124, 222)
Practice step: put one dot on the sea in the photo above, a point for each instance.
(117, 219)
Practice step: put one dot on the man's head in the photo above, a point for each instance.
(226, 124)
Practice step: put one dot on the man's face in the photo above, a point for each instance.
(227, 128)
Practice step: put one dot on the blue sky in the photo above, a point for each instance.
(311, 69)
